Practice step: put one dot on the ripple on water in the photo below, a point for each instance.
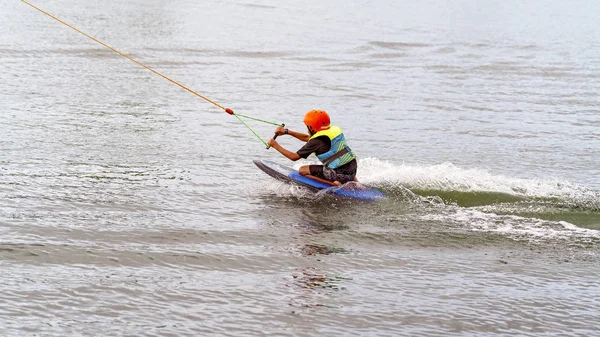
(130, 207)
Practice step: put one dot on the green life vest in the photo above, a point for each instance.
(339, 154)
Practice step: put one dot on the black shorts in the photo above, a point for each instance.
(328, 174)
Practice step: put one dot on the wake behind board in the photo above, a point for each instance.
(292, 176)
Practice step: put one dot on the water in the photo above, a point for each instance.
(130, 207)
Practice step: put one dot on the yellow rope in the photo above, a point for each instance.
(118, 52)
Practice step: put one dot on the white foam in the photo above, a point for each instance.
(280, 189)
(513, 226)
(448, 177)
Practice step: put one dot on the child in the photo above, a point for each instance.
(328, 144)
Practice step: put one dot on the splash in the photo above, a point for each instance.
(475, 187)
(517, 227)
(448, 197)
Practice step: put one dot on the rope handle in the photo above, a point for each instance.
(275, 136)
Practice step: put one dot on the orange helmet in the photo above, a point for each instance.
(317, 120)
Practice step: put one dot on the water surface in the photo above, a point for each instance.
(130, 207)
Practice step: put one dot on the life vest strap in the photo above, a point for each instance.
(335, 156)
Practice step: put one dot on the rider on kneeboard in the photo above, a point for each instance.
(327, 143)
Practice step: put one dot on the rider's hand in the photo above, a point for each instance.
(272, 142)
(280, 130)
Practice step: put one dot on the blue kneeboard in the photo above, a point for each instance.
(292, 176)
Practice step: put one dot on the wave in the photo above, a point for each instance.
(468, 197)
(449, 203)
(476, 190)
(475, 187)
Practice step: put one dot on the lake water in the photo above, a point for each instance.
(130, 207)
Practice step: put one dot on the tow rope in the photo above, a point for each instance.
(228, 110)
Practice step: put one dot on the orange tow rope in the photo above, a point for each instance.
(228, 110)
(118, 52)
